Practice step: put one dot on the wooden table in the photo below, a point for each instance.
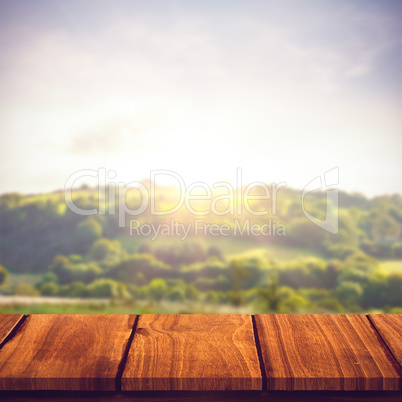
(204, 357)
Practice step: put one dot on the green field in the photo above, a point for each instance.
(139, 307)
(231, 247)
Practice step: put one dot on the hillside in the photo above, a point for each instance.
(302, 268)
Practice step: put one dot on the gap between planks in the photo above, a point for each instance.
(259, 354)
(123, 362)
(13, 328)
(18, 325)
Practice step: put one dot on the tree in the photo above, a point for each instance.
(3, 274)
(212, 297)
(215, 252)
(86, 233)
(109, 252)
(294, 303)
(349, 293)
(147, 265)
(271, 295)
(192, 293)
(157, 289)
(25, 289)
(331, 303)
(385, 228)
(304, 233)
(238, 273)
(176, 294)
(49, 289)
(340, 251)
(68, 272)
(394, 291)
(103, 288)
(375, 292)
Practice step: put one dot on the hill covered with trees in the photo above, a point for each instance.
(304, 269)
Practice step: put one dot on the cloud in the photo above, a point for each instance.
(227, 87)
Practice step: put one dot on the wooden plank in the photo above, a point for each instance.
(202, 396)
(7, 324)
(389, 326)
(65, 352)
(193, 352)
(324, 352)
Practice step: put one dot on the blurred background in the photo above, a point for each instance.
(279, 91)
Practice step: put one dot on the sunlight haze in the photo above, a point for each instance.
(285, 90)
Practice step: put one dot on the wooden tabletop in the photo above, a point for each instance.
(196, 352)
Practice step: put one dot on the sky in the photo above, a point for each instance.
(284, 90)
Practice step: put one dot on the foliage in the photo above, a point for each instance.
(3, 274)
(92, 257)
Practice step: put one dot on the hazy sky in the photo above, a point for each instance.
(286, 90)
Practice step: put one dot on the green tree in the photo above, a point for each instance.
(349, 293)
(146, 265)
(294, 304)
(238, 274)
(192, 293)
(106, 251)
(375, 292)
(25, 289)
(341, 251)
(304, 233)
(49, 289)
(212, 297)
(176, 294)
(3, 274)
(330, 304)
(271, 295)
(394, 290)
(86, 233)
(385, 228)
(157, 289)
(68, 272)
(103, 288)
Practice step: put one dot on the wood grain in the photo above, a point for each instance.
(201, 396)
(7, 323)
(325, 352)
(193, 352)
(65, 352)
(389, 326)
